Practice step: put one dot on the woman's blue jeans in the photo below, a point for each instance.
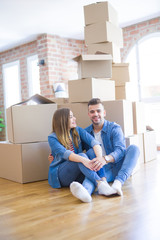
(75, 171)
(120, 171)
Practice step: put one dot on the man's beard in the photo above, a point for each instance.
(97, 123)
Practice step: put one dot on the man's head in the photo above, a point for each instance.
(96, 111)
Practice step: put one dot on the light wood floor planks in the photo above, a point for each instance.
(36, 211)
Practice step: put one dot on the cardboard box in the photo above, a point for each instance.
(150, 146)
(120, 111)
(139, 123)
(120, 73)
(136, 139)
(60, 100)
(103, 32)
(30, 123)
(98, 65)
(129, 91)
(129, 141)
(108, 48)
(80, 111)
(116, 111)
(99, 12)
(83, 90)
(24, 162)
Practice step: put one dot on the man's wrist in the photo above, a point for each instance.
(107, 159)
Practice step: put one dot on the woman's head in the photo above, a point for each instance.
(63, 121)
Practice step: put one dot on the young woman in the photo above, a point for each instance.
(70, 164)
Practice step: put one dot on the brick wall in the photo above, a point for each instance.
(59, 67)
(134, 33)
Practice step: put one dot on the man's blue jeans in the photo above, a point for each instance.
(120, 171)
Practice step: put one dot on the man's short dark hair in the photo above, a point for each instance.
(95, 101)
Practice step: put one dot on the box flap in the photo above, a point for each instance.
(93, 57)
(37, 99)
(120, 65)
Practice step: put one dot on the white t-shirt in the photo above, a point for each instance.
(99, 139)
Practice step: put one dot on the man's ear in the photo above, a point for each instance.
(104, 113)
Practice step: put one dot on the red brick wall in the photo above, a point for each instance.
(134, 33)
(57, 53)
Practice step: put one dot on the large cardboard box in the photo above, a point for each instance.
(80, 111)
(120, 111)
(139, 123)
(60, 100)
(120, 73)
(103, 32)
(109, 48)
(30, 123)
(150, 146)
(116, 111)
(136, 139)
(99, 12)
(24, 162)
(83, 90)
(129, 91)
(94, 65)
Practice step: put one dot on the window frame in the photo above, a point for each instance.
(7, 65)
(136, 46)
(30, 81)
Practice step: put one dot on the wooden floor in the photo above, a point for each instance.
(36, 211)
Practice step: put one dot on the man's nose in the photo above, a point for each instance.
(95, 113)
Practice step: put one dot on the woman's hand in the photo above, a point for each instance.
(50, 158)
(88, 163)
(98, 163)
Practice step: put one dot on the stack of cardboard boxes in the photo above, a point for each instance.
(99, 78)
(101, 74)
(24, 157)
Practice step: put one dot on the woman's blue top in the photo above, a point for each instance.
(61, 154)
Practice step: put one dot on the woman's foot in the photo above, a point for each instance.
(117, 186)
(105, 189)
(80, 192)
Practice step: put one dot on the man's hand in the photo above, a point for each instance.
(98, 163)
(50, 158)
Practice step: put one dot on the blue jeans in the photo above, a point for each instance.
(75, 171)
(120, 171)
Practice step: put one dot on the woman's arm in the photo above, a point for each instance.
(77, 158)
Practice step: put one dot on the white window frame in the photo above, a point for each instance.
(30, 79)
(7, 65)
(151, 99)
(4, 66)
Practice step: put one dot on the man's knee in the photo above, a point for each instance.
(133, 149)
(91, 154)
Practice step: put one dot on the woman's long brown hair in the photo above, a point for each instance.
(60, 125)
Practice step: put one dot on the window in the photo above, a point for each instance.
(144, 60)
(149, 60)
(11, 82)
(33, 75)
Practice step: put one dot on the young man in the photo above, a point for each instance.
(118, 161)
